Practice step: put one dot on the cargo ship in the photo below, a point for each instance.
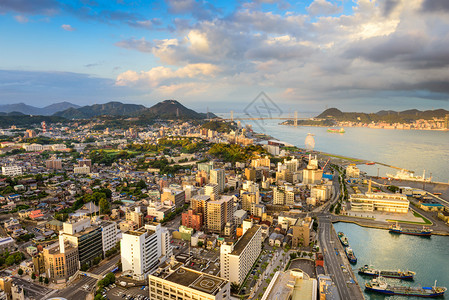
(350, 255)
(335, 130)
(371, 271)
(425, 231)
(343, 239)
(379, 285)
(405, 175)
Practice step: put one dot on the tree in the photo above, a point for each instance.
(33, 276)
(10, 260)
(46, 280)
(234, 287)
(200, 244)
(20, 272)
(104, 206)
(41, 279)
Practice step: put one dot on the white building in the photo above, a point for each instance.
(142, 249)
(217, 176)
(211, 190)
(12, 171)
(81, 170)
(237, 259)
(396, 203)
(109, 235)
(181, 283)
(33, 147)
(352, 171)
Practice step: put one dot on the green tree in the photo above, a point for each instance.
(105, 207)
(46, 280)
(41, 279)
(33, 276)
(200, 244)
(10, 260)
(20, 272)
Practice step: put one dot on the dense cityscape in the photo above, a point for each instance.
(179, 209)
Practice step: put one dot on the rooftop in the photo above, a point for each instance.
(244, 240)
(199, 281)
(293, 284)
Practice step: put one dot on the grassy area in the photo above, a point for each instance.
(417, 215)
(341, 157)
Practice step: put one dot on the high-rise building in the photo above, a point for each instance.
(141, 249)
(248, 199)
(192, 219)
(109, 235)
(60, 263)
(206, 167)
(177, 197)
(236, 259)
(217, 176)
(218, 213)
(312, 174)
(135, 216)
(302, 230)
(54, 163)
(250, 174)
(87, 238)
(211, 190)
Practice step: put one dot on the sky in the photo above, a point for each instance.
(306, 55)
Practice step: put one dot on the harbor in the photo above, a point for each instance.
(429, 258)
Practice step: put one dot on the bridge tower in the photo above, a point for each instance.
(296, 118)
(232, 116)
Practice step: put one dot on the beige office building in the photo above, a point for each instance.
(396, 203)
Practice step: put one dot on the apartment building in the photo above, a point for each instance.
(236, 259)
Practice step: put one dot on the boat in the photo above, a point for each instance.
(335, 130)
(425, 231)
(343, 239)
(380, 285)
(370, 163)
(350, 255)
(371, 271)
(406, 175)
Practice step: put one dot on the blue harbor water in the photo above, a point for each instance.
(415, 150)
(428, 257)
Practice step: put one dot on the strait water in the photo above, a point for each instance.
(428, 257)
(415, 150)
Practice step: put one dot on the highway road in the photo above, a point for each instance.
(333, 261)
(77, 290)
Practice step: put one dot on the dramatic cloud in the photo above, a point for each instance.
(384, 48)
(67, 27)
(435, 5)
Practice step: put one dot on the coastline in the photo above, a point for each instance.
(361, 126)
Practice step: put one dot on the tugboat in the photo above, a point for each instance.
(371, 271)
(425, 231)
(343, 239)
(350, 255)
(335, 130)
(379, 285)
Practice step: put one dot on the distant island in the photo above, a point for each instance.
(387, 119)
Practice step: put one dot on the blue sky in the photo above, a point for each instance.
(306, 55)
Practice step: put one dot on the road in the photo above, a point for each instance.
(329, 241)
(32, 290)
(76, 289)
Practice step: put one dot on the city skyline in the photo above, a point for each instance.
(361, 55)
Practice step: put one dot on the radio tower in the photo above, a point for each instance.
(44, 127)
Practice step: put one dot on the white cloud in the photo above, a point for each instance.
(67, 27)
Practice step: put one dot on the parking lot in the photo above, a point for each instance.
(134, 293)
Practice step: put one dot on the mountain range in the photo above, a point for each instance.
(383, 115)
(32, 110)
(167, 109)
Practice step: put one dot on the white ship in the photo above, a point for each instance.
(405, 175)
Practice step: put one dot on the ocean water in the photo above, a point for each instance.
(428, 257)
(415, 150)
